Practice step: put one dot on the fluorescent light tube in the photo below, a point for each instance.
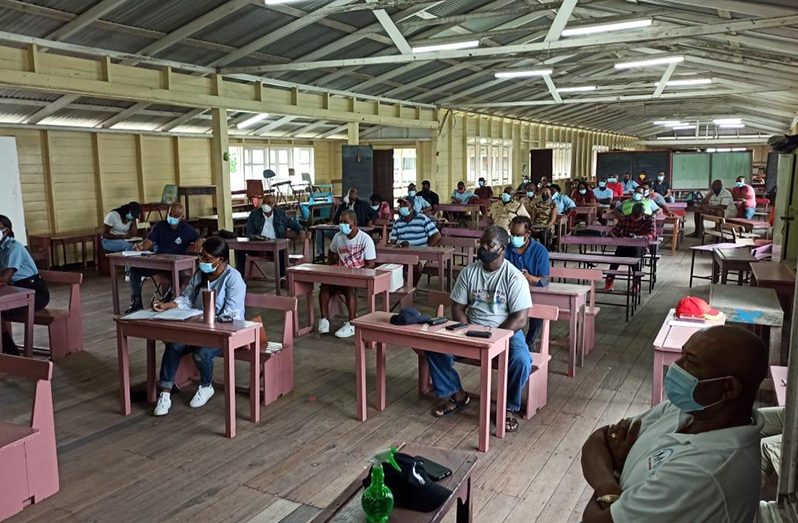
(683, 127)
(732, 126)
(738, 149)
(727, 121)
(668, 122)
(524, 74)
(654, 61)
(275, 2)
(447, 47)
(249, 122)
(691, 81)
(604, 28)
(578, 89)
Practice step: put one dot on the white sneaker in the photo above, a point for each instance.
(324, 326)
(163, 405)
(346, 331)
(202, 396)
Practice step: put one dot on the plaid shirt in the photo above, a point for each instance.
(628, 227)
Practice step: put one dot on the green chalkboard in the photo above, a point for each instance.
(728, 166)
(690, 171)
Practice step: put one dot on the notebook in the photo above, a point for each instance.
(171, 314)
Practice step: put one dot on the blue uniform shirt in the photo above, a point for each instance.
(172, 241)
(535, 260)
(564, 203)
(14, 255)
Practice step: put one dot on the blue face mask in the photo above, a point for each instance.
(506, 197)
(411, 193)
(481, 183)
(345, 228)
(680, 388)
(637, 196)
(129, 216)
(375, 207)
(530, 194)
(518, 241)
(739, 184)
(582, 191)
(602, 185)
(206, 267)
(171, 220)
(404, 211)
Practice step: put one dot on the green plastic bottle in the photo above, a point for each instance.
(377, 499)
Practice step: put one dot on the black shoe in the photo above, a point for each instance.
(135, 305)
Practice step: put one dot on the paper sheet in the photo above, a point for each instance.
(143, 314)
(136, 253)
(177, 314)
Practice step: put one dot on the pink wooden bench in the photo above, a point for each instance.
(538, 385)
(28, 461)
(592, 276)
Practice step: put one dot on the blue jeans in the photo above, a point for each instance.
(446, 381)
(116, 245)
(535, 326)
(749, 213)
(174, 352)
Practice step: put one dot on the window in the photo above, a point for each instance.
(561, 159)
(489, 159)
(404, 169)
(594, 159)
(247, 162)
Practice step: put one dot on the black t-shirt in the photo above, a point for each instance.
(172, 241)
(661, 188)
(430, 196)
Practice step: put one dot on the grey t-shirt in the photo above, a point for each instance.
(491, 296)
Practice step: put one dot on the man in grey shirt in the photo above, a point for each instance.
(490, 292)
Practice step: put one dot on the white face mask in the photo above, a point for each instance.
(266, 208)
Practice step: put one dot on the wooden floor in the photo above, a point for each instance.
(309, 445)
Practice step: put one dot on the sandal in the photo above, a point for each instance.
(451, 407)
(511, 423)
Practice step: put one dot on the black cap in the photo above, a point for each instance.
(412, 488)
(409, 316)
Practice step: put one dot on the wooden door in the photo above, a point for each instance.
(541, 163)
(383, 175)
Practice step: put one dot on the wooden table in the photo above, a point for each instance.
(442, 256)
(301, 279)
(376, 327)
(779, 375)
(225, 336)
(212, 220)
(171, 263)
(708, 248)
(725, 260)
(572, 298)
(13, 298)
(195, 190)
(347, 509)
(263, 246)
(774, 275)
(148, 208)
(668, 348)
(750, 225)
(84, 238)
(589, 214)
(751, 306)
(585, 242)
(472, 209)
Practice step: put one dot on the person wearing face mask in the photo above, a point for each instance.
(636, 225)
(530, 198)
(493, 293)
(461, 195)
(694, 457)
(170, 236)
(718, 202)
(660, 186)
(656, 198)
(603, 194)
(507, 208)
(428, 194)
(382, 208)
(625, 207)
(365, 214)
(483, 190)
(744, 198)
(350, 248)
(629, 185)
(413, 229)
(615, 186)
(544, 216)
(270, 222)
(18, 269)
(582, 195)
(642, 177)
(214, 273)
(416, 200)
(531, 258)
(120, 225)
(544, 182)
(525, 185)
(564, 204)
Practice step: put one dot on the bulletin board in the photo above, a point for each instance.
(690, 170)
(728, 166)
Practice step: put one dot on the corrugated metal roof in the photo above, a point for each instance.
(160, 15)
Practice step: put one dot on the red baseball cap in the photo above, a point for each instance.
(692, 307)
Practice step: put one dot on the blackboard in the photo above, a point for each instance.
(728, 166)
(652, 162)
(541, 163)
(614, 164)
(358, 169)
(690, 171)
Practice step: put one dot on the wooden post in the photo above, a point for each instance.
(353, 133)
(220, 169)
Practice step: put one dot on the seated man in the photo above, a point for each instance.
(615, 186)
(663, 188)
(718, 202)
(531, 258)
(170, 236)
(625, 207)
(493, 293)
(270, 222)
(360, 207)
(413, 229)
(629, 185)
(428, 194)
(381, 208)
(483, 190)
(525, 185)
(744, 198)
(351, 248)
(563, 202)
(636, 225)
(416, 200)
(461, 195)
(507, 208)
(530, 198)
(694, 457)
(544, 216)
(657, 199)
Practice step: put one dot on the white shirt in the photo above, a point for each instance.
(114, 221)
(353, 253)
(671, 477)
(268, 228)
(724, 197)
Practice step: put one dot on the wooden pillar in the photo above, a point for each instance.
(220, 169)
(353, 133)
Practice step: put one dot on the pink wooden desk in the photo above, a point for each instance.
(779, 375)
(750, 225)
(171, 263)
(226, 336)
(472, 208)
(572, 298)
(259, 246)
(84, 238)
(13, 298)
(589, 214)
(302, 278)
(442, 256)
(376, 327)
(707, 248)
(668, 348)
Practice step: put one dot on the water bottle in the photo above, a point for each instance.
(209, 305)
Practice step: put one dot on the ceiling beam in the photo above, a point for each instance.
(180, 120)
(552, 88)
(745, 7)
(52, 108)
(390, 27)
(663, 82)
(122, 116)
(563, 14)
(617, 99)
(84, 19)
(271, 126)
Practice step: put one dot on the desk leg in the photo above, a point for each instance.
(83, 253)
(501, 392)
(254, 381)
(441, 265)
(229, 390)
(124, 372)
(692, 268)
(150, 371)
(485, 369)
(28, 350)
(581, 330)
(114, 286)
(573, 341)
(175, 281)
(450, 273)
(381, 363)
(657, 378)
(360, 371)
(464, 504)
(276, 255)
(775, 345)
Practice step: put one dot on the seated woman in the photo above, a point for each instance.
(583, 196)
(215, 273)
(383, 209)
(120, 225)
(18, 269)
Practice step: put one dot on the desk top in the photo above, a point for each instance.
(773, 272)
(779, 375)
(9, 291)
(316, 268)
(242, 215)
(741, 255)
(608, 240)
(73, 235)
(592, 258)
(754, 224)
(715, 246)
(749, 305)
(334, 227)
(242, 240)
(671, 338)
(381, 321)
(415, 250)
(196, 189)
(192, 325)
(152, 257)
(570, 289)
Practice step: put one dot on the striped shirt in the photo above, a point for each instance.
(416, 232)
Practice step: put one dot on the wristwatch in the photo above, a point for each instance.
(608, 499)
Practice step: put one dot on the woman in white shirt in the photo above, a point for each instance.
(120, 225)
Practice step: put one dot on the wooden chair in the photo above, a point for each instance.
(407, 292)
(716, 231)
(593, 276)
(64, 326)
(28, 458)
(465, 250)
(672, 230)
(538, 384)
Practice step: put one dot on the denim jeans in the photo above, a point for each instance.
(535, 326)
(446, 381)
(137, 276)
(116, 245)
(748, 213)
(174, 352)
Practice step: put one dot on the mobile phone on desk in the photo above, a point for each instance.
(437, 321)
(456, 326)
(478, 334)
(436, 471)
(224, 318)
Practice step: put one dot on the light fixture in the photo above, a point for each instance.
(683, 127)
(651, 62)
(738, 149)
(467, 44)
(577, 89)
(524, 74)
(275, 2)
(604, 28)
(691, 81)
(249, 122)
(727, 121)
(732, 126)
(668, 122)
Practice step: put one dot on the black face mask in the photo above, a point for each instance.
(485, 256)
(716, 191)
(544, 197)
